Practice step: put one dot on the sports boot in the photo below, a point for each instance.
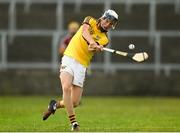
(51, 109)
(75, 127)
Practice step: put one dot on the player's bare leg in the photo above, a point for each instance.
(76, 95)
(71, 98)
(66, 82)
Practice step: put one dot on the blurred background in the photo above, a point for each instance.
(30, 31)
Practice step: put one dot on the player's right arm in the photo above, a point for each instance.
(93, 46)
(63, 45)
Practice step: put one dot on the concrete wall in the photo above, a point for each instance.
(46, 82)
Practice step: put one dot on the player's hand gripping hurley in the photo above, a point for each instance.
(138, 57)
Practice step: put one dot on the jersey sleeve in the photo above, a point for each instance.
(88, 20)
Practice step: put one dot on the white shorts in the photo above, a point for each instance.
(73, 67)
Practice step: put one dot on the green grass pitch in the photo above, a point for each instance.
(21, 113)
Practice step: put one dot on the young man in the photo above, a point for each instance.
(89, 39)
(72, 29)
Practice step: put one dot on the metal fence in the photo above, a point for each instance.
(107, 66)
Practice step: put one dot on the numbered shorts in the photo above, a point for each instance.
(73, 67)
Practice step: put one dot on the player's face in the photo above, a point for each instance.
(106, 24)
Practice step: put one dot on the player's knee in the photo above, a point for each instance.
(66, 89)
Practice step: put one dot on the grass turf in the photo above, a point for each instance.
(21, 113)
